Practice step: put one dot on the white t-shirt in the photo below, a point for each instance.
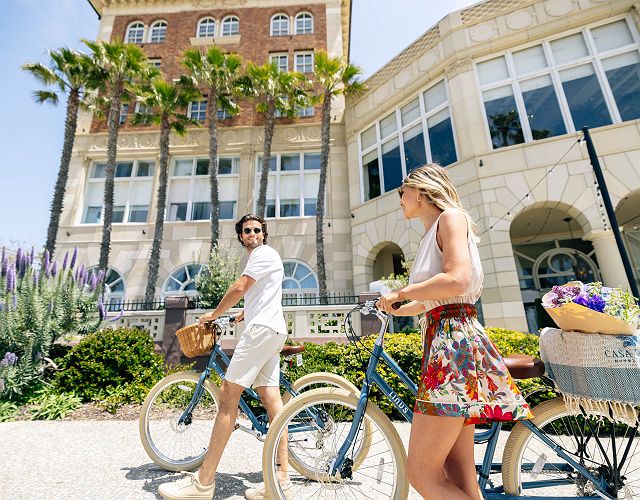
(263, 301)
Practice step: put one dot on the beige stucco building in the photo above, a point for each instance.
(497, 92)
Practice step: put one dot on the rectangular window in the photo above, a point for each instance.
(156, 63)
(623, 74)
(303, 111)
(368, 137)
(227, 210)
(304, 62)
(202, 166)
(529, 60)
(223, 114)
(415, 153)
(177, 212)
(569, 49)
(280, 60)
(371, 171)
(290, 208)
(198, 110)
(391, 165)
(584, 97)
(144, 112)
(124, 111)
(183, 167)
(612, 36)
(388, 125)
(132, 192)
(410, 112)
(201, 210)
(312, 161)
(228, 165)
(503, 117)
(290, 162)
(543, 110)
(443, 150)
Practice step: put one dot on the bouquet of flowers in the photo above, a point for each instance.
(592, 308)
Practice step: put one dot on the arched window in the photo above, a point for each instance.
(230, 26)
(280, 25)
(182, 280)
(135, 33)
(304, 23)
(206, 28)
(158, 32)
(298, 278)
(114, 287)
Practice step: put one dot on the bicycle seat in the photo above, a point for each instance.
(523, 366)
(290, 350)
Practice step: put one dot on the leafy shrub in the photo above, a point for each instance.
(39, 303)
(52, 406)
(106, 361)
(350, 361)
(7, 411)
(221, 271)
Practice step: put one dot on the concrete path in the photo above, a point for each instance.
(96, 460)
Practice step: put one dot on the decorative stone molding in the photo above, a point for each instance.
(458, 67)
(558, 8)
(220, 40)
(302, 135)
(520, 19)
(483, 32)
(208, 4)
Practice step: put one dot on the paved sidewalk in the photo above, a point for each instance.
(97, 460)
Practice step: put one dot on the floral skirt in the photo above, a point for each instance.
(463, 374)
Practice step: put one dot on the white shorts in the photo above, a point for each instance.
(256, 359)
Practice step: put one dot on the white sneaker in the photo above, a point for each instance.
(187, 488)
(261, 493)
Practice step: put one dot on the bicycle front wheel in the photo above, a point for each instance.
(170, 444)
(316, 424)
(608, 451)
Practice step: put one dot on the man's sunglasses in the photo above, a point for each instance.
(247, 230)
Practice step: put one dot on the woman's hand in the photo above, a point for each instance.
(239, 317)
(385, 303)
(210, 316)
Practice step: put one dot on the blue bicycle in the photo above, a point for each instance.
(179, 412)
(354, 451)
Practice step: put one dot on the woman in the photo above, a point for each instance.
(464, 380)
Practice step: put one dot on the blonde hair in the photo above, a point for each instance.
(433, 182)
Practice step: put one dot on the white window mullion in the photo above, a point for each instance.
(277, 188)
(557, 85)
(301, 186)
(403, 162)
(379, 151)
(602, 78)
(192, 188)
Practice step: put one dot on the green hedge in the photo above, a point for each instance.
(350, 361)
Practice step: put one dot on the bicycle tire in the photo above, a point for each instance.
(378, 422)
(151, 446)
(523, 450)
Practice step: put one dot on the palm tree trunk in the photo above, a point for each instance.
(73, 102)
(324, 166)
(112, 149)
(212, 114)
(154, 260)
(269, 126)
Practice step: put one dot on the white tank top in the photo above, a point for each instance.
(428, 263)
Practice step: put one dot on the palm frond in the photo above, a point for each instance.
(41, 96)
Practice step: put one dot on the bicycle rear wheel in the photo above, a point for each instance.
(172, 445)
(609, 451)
(317, 423)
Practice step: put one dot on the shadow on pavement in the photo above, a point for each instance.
(227, 485)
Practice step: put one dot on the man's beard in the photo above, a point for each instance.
(252, 245)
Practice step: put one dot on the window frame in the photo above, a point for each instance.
(299, 292)
(183, 284)
(274, 55)
(553, 70)
(202, 21)
(193, 177)
(131, 180)
(156, 24)
(200, 110)
(303, 53)
(226, 20)
(278, 173)
(295, 23)
(280, 16)
(401, 129)
(130, 27)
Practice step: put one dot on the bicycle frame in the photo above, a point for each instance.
(490, 436)
(219, 362)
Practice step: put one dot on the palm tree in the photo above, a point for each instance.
(333, 77)
(73, 73)
(124, 65)
(273, 90)
(217, 72)
(163, 100)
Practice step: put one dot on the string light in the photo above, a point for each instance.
(529, 193)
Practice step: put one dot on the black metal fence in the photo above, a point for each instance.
(306, 299)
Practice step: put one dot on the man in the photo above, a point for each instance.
(255, 361)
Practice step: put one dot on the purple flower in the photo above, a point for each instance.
(36, 277)
(54, 269)
(32, 255)
(582, 299)
(74, 257)
(11, 279)
(94, 281)
(18, 255)
(21, 265)
(119, 316)
(64, 261)
(597, 303)
(10, 359)
(101, 311)
(100, 275)
(5, 266)
(46, 262)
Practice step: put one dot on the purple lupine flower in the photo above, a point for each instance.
(5, 266)
(94, 281)
(74, 257)
(21, 265)
(10, 359)
(54, 269)
(84, 278)
(36, 277)
(32, 256)
(18, 255)
(119, 316)
(46, 262)
(100, 275)
(101, 310)
(64, 261)
(11, 279)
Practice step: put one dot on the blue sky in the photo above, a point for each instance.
(31, 134)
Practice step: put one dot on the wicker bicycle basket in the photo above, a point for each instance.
(196, 340)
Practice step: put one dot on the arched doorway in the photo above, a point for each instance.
(628, 216)
(388, 259)
(549, 250)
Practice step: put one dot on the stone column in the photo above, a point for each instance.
(609, 260)
(175, 317)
